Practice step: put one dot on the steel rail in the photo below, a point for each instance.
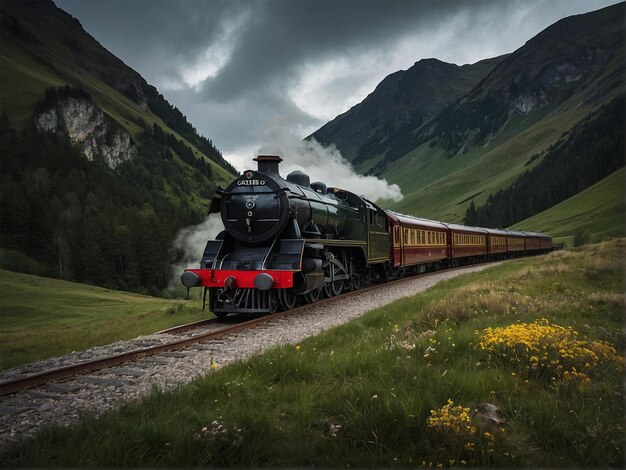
(33, 380)
(188, 326)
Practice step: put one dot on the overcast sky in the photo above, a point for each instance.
(247, 72)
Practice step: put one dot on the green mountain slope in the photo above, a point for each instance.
(401, 103)
(485, 141)
(561, 62)
(599, 211)
(593, 149)
(105, 209)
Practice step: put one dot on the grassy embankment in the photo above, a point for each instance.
(374, 392)
(42, 317)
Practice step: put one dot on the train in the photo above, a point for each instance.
(290, 241)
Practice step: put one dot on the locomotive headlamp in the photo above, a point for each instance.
(263, 281)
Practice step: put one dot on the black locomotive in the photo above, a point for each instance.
(289, 240)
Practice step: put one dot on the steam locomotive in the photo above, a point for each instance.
(290, 241)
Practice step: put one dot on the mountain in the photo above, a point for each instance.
(43, 47)
(580, 56)
(554, 107)
(98, 171)
(401, 103)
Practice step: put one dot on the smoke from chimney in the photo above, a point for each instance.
(324, 164)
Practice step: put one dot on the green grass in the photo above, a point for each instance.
(599, 211)
(42, 317)
(360, 395)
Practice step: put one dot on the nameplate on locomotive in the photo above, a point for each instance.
(251, 183)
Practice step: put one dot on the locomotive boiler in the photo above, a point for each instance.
(285, 240)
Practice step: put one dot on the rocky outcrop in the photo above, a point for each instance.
(87, 126)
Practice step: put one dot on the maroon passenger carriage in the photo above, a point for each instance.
(416, 242)
(467, 243)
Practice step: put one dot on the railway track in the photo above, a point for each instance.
(44, 377)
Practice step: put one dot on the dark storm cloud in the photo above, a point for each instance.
(282, 34)
(161, 36)
(156, 37)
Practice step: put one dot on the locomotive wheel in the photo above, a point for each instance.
(335, 286)
(286, 299)
(313, 296)
(273, 302)
(355, 281)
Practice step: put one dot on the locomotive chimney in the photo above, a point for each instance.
(268, 164)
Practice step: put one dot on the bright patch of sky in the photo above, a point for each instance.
(217, 54)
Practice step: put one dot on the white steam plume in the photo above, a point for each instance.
(191, 242)
(325, 164)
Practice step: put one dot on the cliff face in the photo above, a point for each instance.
(86, 125)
